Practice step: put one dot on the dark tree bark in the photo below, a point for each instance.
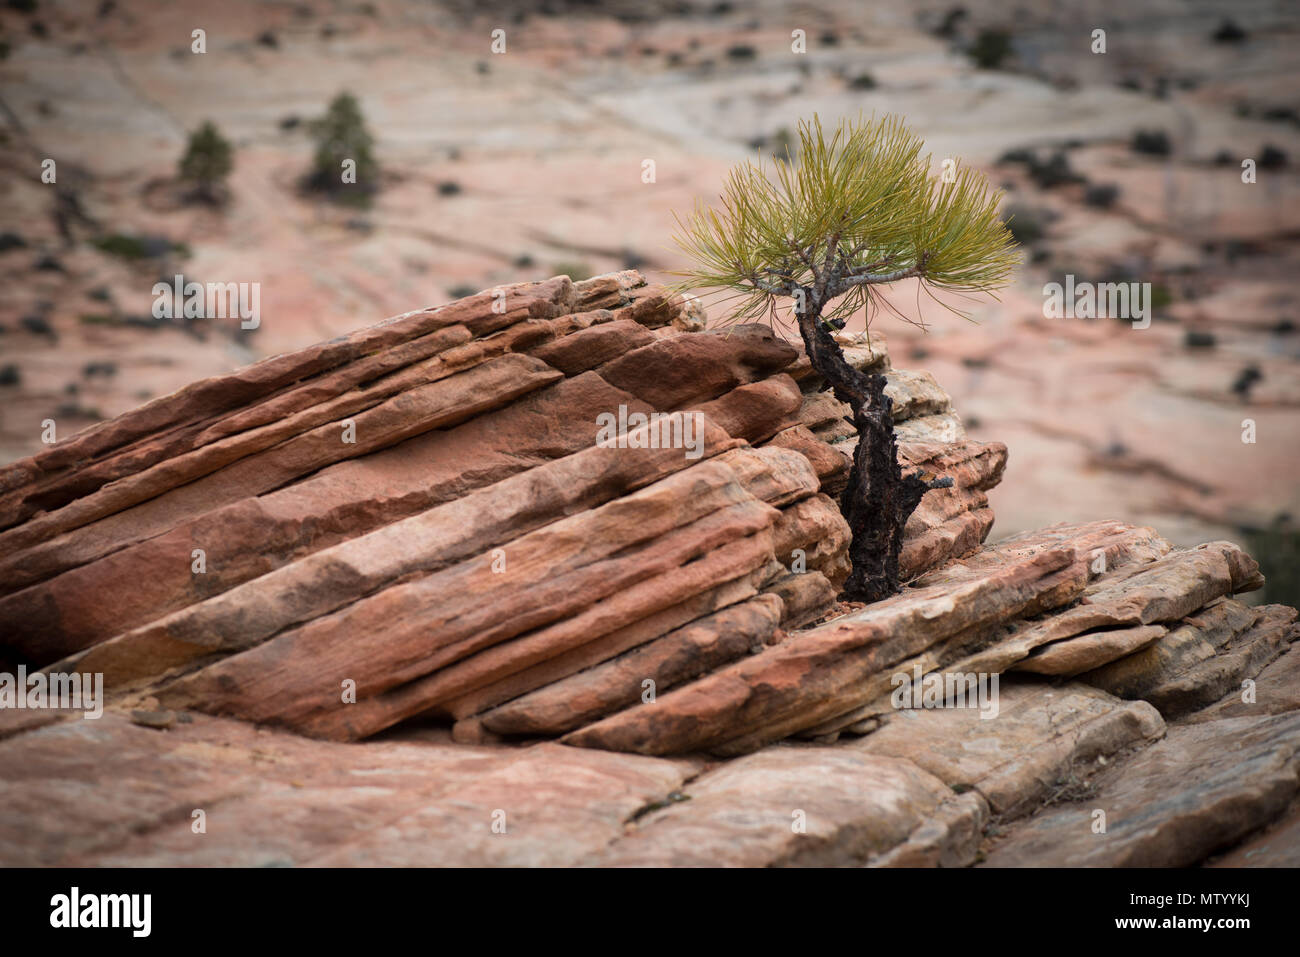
(879, 499)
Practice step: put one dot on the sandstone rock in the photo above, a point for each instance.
(950, 837)
(1278, 846)
(537, 299)
(477, 559)
(831, 465)
(619, 561)
(429, 541)
(815, 529)
(1164, 590)
(1275, 691)
(679, 656)
(683, 371)
(1038, 736)
(1173, 804)
(155, 500)
(259, 534)
(274, 798)
(594, 346)
(1076, 655)
(1167, 670)
(785, 807)
(939, 427)
(805, 597)
(915, 394)
(756, 411)
(818, 674)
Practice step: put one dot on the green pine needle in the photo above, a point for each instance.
(861, 205)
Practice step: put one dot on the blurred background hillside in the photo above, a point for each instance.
(491, 167)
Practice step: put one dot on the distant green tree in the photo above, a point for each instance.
(344, 163)
(860, 209)
(207, 162)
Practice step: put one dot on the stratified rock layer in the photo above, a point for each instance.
(574, 513)
(458, 512)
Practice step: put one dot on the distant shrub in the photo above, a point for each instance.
(990, 49)
(1101, 195)
(125, 246)
(1151, 142)
(1028, 226)
(1228, 32)
(1271, 157)
(341, 136)
(206, 163)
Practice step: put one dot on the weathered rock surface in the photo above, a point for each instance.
(590, 517)
(1015, 756)
(785, 807)
(398, 514)
(1176, 803)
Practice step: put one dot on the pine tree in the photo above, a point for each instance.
(341, 136)
(858, 210)
(207, 162)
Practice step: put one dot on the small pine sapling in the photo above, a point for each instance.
(859, 209)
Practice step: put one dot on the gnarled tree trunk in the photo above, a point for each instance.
(878, 500)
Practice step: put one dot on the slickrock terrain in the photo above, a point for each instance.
(548, 575)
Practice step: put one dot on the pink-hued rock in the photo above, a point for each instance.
(679, 656)
(248, 464)
(593, 346)
(564, 584)
(756, 411)
(831, 465)
(1173, 804)
(1026, 739)
(685, 370)
(260, 534)
(785, 807)
(817, 674)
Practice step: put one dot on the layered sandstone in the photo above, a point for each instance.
(432, 522)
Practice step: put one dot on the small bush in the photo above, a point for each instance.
(207, 162)
(990, 49)
(1228, 32)
(341, 135)
(1101, 195)
(136, 247)
(1151, 142)
(1271, 157)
